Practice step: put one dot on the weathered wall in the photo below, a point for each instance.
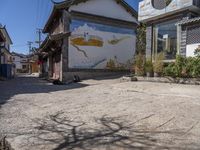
(57, 26)
(105, 8)
(91, 74)
(64, 52)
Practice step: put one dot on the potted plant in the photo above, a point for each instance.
(158, 64)
(148, 67)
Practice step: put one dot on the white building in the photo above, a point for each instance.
(21, 62)
(89, 38)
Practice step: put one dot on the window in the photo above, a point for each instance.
(193, 35)
(23, 66)
(165, 39)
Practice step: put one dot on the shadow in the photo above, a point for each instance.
(31, 85)
(110, 77)
(104, 133)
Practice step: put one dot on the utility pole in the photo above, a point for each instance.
(39, 32)
(29, 43)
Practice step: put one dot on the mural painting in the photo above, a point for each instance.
(97, 46)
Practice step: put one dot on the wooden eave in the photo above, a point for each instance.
(6, 51)
(7, 35)
(54, 15)
(2, 38)
(52, 38)
(68, 3)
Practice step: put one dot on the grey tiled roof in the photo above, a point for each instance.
(188, 21)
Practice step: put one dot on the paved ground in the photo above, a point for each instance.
(99, 114)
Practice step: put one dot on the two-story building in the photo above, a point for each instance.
(21, 62)
(6, 66)
(88, 38)
(173, 27)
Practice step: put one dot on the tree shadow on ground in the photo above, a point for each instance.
(31, 85)
(105, 133)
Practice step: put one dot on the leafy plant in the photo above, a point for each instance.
(170, 70)
(139, 64)
(184, 67)
(158, 63)
(111, 65)
(197, 51)
(148, 66)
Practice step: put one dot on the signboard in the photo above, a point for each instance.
(98, 46)
(150, 9)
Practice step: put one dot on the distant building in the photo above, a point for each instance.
(33, 62)
(88, 38)
(25, 63)
(21, 62)
(6, 66)
(173, 27)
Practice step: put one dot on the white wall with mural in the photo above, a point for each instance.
(98, 46)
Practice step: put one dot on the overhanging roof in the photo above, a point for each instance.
(5, 51)
(19, 55)
(2, 38)
(67, 3)
(51, 38)
(5, 34)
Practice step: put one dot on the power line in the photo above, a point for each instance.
(20, 45)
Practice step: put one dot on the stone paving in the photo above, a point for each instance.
(99, 114)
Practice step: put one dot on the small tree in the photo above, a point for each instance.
(158, 64)
(197, 51)
(139, 64)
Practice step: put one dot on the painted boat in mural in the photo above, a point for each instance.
(86, 40)
(115, 41)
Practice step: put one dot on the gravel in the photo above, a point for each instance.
(99, 114)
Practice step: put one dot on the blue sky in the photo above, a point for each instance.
(23, 17)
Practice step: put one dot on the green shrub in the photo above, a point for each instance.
(180, 64)
(170, 70)
(148, 66)
(197, 51)
(184, 67)
(111, 64)
(139, 64)
(158, 63)
(196, 67)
